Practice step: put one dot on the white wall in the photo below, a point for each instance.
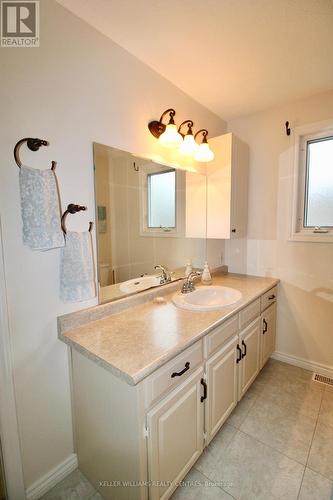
(305, 311)
(78, 87)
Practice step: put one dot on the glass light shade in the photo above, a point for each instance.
(204, 153)
(188, 147)
(170, 138)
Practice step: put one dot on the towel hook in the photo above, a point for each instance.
(33, 145)
(288, 129)
(73, 209)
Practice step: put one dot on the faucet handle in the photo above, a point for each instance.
(193, 275)
(188, 285)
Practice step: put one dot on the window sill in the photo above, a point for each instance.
(312, 238)
(161, 234)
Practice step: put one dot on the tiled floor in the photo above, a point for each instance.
(277, 444)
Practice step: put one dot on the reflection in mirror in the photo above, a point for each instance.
(148, 214)
(161, 195)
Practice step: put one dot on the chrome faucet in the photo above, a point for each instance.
(188, 285)
(165, 274)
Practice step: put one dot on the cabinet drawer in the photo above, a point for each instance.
(220, 334)
(249, 313)
(268, 298)
(174, 372)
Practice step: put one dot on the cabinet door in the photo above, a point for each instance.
(239, 188)
(249, 342)
(227, 188)
(222, 387)
(175, 436)
(268, 332)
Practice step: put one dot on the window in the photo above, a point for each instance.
(161, 201)
(318, 207)
(313, 192)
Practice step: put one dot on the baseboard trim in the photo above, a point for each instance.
(46, 482)
(307, 364)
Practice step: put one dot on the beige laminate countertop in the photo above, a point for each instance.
(136, 341)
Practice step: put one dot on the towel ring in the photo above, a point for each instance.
(73, 209)
(33, 145)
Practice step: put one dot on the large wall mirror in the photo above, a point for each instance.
(148, 214)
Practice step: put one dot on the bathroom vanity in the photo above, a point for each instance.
(153, 383)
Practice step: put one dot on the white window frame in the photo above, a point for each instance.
(301, 136)
(145, 230)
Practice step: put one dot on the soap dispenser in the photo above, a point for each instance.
(188, 268)
(206, 278)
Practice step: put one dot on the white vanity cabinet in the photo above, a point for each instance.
(138, 442)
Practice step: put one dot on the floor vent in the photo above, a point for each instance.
(321, 379)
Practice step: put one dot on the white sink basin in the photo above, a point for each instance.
(139, 284)
(207, 298)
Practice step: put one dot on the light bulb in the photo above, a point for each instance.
(170, 138)
(204, 153)
(188, 146)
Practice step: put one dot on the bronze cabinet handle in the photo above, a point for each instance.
(204, 384)
(265, 327)
(271, 297)
(239, 351)
(244, 352)
(178, 374)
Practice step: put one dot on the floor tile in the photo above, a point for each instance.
(281, 374)
(275, 368)
(279, 428)
(321, 453)
(255, 471)
(297, 397)
(73, 487)
(239, 414)
(326, 410)
(215, 450)
(196, 486)
(315, 486)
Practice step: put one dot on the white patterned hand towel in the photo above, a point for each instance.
(40, 209)
(77, 276)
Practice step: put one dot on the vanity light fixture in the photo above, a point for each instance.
(168, 135)
(188, 147)
(203, 153)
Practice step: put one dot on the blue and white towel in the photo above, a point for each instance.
(77, 272)
(40, 209)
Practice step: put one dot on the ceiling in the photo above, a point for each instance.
(234, 56)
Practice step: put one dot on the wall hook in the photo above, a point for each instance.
(136, 168)
(288, 129)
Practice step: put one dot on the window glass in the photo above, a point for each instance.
(318, 206)
(162, 199)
